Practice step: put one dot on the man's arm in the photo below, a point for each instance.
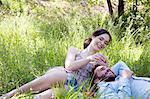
(118, 67)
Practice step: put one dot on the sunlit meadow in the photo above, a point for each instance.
(37, 38)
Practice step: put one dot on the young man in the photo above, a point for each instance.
(125, 85)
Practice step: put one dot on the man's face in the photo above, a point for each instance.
(103, 71)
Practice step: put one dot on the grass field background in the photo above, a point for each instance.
(34, 38)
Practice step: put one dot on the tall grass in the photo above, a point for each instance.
(32, 43)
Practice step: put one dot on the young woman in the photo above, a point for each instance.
(125, 86)
(77, 66)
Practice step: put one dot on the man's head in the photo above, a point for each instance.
(103, 73)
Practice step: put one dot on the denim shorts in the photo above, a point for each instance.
(71, 81)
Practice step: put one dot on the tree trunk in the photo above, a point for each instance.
(1, 2)
(135, 7)
(110, 7)
(135, 14)
(120, 7)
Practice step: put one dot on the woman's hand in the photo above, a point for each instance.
(98, 59)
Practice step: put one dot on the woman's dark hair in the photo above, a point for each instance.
(96, 33)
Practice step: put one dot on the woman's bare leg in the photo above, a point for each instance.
(45, 95)
(44, 82)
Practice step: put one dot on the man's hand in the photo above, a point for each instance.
(126, 74)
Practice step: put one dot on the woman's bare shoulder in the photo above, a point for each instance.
(74, 49)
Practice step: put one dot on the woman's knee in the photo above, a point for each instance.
(55, 76)
(57, 68)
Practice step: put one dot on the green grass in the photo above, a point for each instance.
(32, 43)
